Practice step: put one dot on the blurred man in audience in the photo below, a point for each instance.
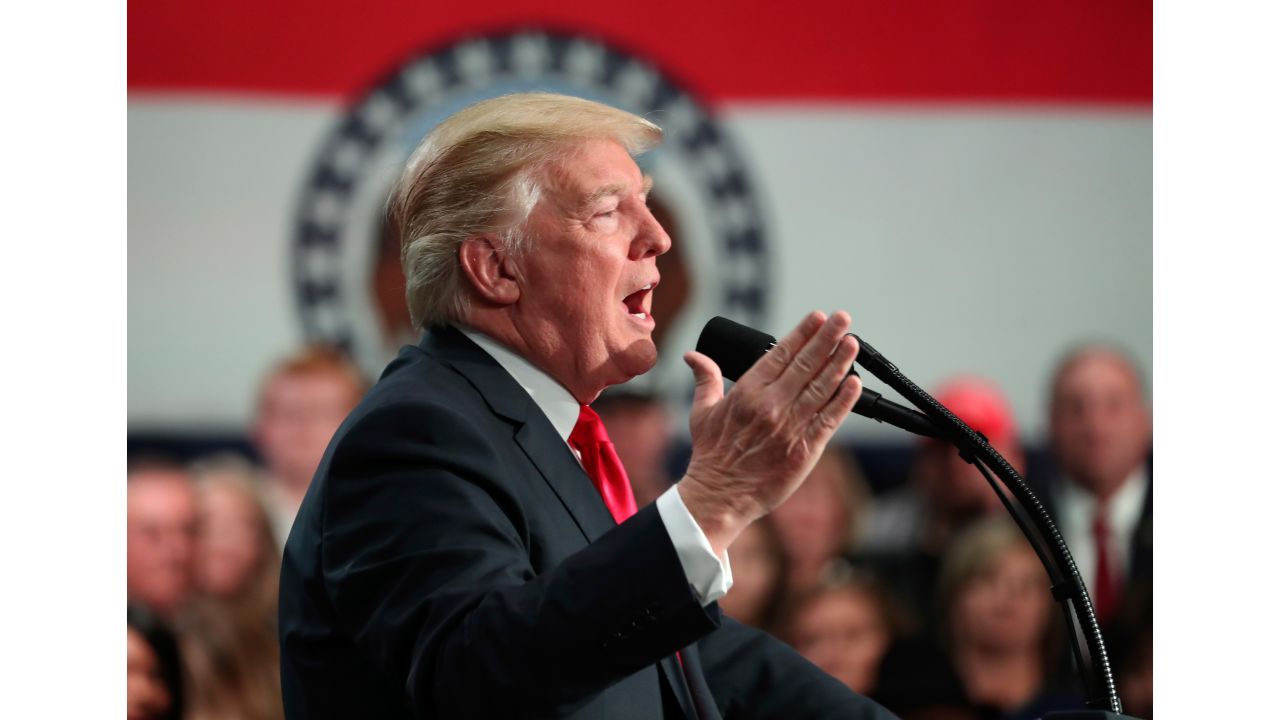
(1100, 429)
(911, 528)
(641, 430)
(945, 492)
(303, 400)
(161, 533)
(819, 522)
(759, 576)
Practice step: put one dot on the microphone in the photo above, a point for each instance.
(736, 347)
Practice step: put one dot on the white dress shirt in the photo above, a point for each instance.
(709, 575)
(1077, 508)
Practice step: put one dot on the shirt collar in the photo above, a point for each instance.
(1125, 506)
(557, 403)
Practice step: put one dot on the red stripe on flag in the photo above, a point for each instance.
(1075, 51)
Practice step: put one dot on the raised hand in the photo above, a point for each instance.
(753, 447)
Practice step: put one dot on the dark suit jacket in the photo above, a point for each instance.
(451, 559)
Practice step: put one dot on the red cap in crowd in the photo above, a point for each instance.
(982, 406)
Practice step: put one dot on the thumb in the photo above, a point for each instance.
(708, 384)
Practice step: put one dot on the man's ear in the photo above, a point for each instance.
(489, 269)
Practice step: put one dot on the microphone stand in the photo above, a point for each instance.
(1034, 521)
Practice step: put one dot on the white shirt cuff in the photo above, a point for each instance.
(709, 575)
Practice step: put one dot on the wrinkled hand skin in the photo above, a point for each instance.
(753, 447)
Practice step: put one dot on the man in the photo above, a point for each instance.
(303, 400)
(1100, 430)
(946, 493)
(470, 547)
(913, 527)
(161, 519)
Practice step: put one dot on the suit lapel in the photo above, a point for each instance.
(534, 432)
(560, 469)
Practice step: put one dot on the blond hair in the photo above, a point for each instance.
(974, 550)
(233, 472)
(478, 173)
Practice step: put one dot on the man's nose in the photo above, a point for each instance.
(651, 239)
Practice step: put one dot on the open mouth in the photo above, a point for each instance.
(636, 301)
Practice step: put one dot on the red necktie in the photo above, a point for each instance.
(601, 462)
(1106, 593)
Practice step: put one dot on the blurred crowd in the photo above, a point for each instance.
(923, 595)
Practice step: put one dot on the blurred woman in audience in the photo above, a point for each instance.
(818, 523)
(154, 685)
(237, 559)
(759, 575)
(845, 628)
(233, 664)
(999, 653)
(228, 632)
(998, 615)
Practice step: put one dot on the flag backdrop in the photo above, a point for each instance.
(971, 180)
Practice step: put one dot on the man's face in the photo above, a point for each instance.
(161, 529)
(587, 275)
(962, 492)
(297, 417)
(813, 524)
(1099, 425)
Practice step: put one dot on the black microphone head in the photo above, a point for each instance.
(733, 346)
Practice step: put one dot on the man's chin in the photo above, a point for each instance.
(637, 358)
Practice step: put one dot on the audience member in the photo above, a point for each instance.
(233, 663)
(912, 527)
(818, 523)
(161, 518)
(237, 558)
(153, 689)
(1000, 656)
(845, 628)
(302, 401)
(759, 576)
(945, 493)
(1100, 431)
(641, 430)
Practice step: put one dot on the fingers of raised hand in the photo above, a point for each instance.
(819, 390)
(835, 410)
(768, 368)
(814, 356)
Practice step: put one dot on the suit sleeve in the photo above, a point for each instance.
(426, 562)
(753, 675)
